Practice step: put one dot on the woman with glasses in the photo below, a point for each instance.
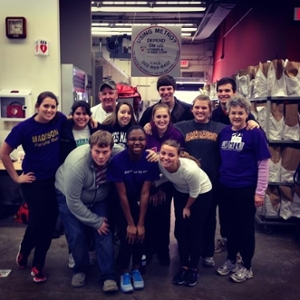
(133, 176)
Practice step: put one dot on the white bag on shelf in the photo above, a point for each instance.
(290, 159)
(275, 164)
(272, 202)
(292, 78)
(260, 85)
(291, 128)
(276, 121)
(286, 194)
(276, 79)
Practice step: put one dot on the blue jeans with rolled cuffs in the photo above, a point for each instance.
(75, 232)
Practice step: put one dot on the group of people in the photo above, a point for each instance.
(106, 173)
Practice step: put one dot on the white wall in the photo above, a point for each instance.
(20, 68)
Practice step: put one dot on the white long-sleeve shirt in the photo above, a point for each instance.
(189, 178)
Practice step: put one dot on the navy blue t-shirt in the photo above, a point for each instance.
(132, 173)
(40, 142)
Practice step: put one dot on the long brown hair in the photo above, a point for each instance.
(113, 118)
(180, 152)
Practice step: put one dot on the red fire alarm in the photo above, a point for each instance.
(297, 14)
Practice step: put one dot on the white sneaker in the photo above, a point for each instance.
(242, 274)
(228, 267)
(71, 261)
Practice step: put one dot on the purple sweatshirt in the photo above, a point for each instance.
(154, 141)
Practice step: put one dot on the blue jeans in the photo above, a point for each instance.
(75, 232)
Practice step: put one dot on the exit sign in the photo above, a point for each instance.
(184, 63)
(297, 14)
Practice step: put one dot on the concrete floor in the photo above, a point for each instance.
(276, 268)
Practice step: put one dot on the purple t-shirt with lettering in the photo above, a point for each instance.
(132, 173)
(240, 152)
(40, 142)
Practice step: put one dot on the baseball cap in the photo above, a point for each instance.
(108, 82)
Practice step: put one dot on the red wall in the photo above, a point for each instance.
(257, 34)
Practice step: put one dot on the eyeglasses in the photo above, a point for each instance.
(136, 139)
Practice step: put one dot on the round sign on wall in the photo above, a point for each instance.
(155, 51)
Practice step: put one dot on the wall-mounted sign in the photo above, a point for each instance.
(41, 48)
(155, 51)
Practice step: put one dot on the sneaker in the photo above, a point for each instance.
(110, 285)
(71, 263)
(92, 256)
(38, 275)
(125, 283)
(21, 260)
(242, 274)
(78, 280)
(220, 245)
(137, 280)
(208, 262)
(228, 267)
(191, 277)
(179, 278)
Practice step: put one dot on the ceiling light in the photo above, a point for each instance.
(146, 9)
(100, 24)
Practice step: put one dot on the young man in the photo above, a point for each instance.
(180, 111)
(108, 96)
(82, 193)
(226, 88)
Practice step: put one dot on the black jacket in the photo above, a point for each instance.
(67, 141)
(180, 112)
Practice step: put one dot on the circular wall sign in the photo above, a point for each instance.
(156, 50)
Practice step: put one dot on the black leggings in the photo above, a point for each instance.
(240, 214)
(41, 199)
(189, 231)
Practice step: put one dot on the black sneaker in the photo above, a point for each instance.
(191, 277)
(38, 275)
(179, 278)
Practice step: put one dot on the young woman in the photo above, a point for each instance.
(76, 132)
(133, 176)
(201, 141)
(244, 177)
(192, 199)
(39, 136)
(159, 210)
(119, 122)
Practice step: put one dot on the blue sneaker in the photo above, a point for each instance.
(138, 282)
(125, 283)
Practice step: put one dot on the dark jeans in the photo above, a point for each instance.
(128, 251)
(75, 232)
(41, 200)
(189, 231)
(223, 218)
(158, 224)
(240, 210)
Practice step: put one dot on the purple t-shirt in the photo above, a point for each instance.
(40, 142)
(240, 152)
(132, 173)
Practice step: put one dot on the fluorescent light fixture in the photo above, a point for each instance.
(178, 2)
(123, 29)
(131, 24)
(100, 24)
(187, 24)
(108, 33)
(99, 29)
(125, 2)
(146, 9)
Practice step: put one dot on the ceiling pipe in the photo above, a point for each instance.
(210, 23)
